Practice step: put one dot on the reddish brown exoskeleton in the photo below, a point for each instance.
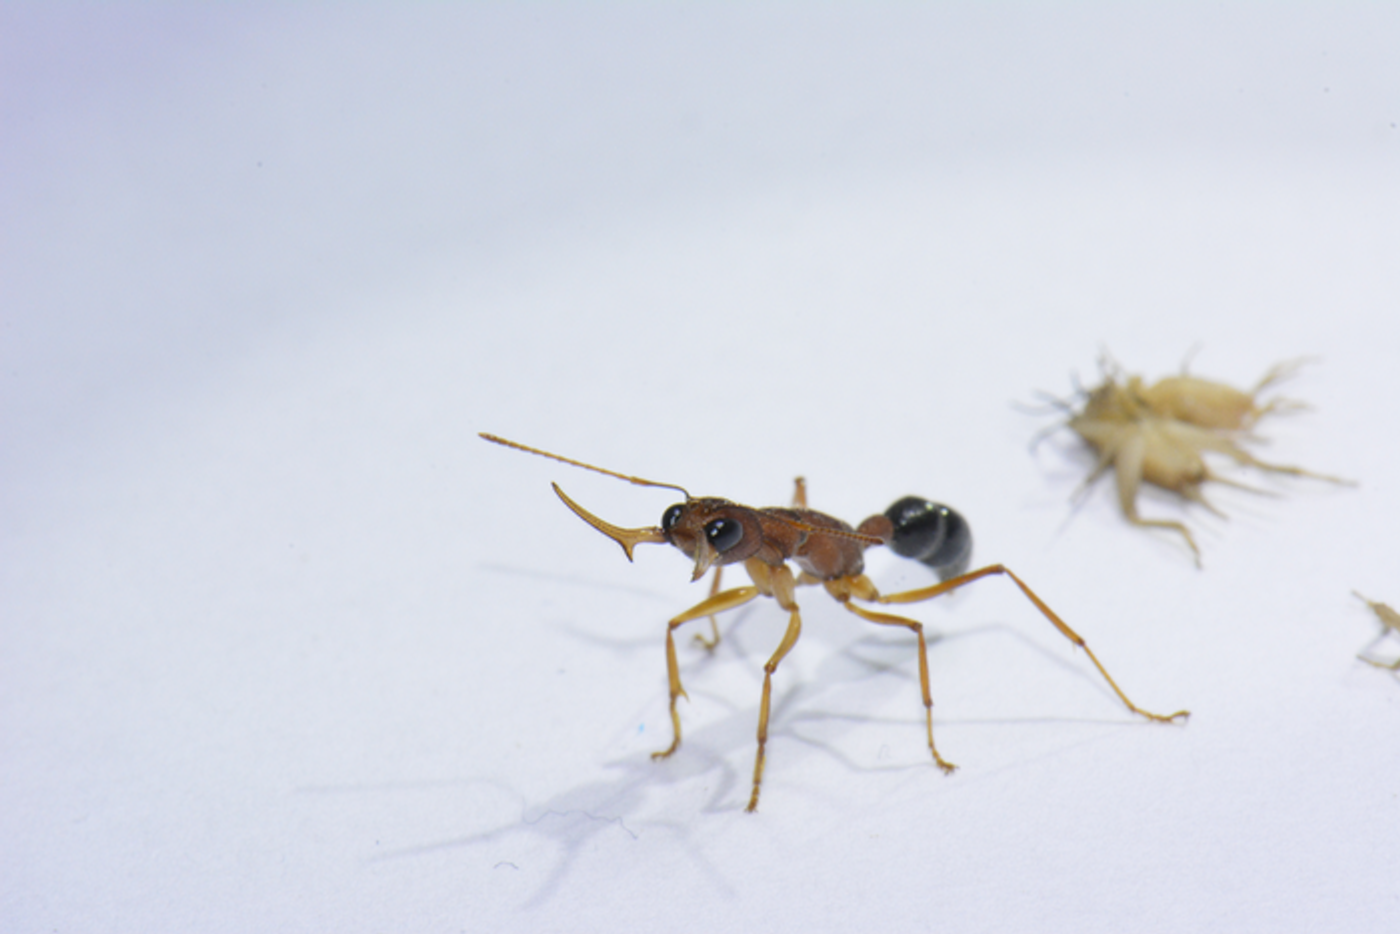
(715, 532)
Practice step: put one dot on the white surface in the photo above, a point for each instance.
(285, 647)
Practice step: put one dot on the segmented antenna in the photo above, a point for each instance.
(568, 460)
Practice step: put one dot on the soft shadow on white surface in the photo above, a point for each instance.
(287, 646)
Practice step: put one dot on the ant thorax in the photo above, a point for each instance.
(717, 532)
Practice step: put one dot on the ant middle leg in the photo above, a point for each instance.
(889, 619)
(928, 593)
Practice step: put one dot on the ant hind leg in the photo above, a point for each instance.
(928, 593)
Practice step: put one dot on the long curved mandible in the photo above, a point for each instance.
(627, 538)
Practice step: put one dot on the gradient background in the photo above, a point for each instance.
(286, 647)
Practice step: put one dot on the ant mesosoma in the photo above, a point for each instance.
(714, 532)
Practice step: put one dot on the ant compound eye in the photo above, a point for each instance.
(670, 518)
(724, 534)
(931, 533)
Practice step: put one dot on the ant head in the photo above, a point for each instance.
(712, 531)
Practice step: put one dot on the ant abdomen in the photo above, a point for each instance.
(931, 533)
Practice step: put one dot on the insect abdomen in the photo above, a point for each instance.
(931, 533)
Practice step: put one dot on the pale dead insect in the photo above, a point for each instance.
(1160, 435)
(1390, 625)
(1208, 404)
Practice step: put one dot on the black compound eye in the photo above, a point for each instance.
(670, 517)
(723, 534)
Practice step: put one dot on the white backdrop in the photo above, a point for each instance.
(286, 647)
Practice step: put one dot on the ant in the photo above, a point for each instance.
(715, 532)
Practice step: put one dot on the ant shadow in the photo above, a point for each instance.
(578, 820)
(710, 772)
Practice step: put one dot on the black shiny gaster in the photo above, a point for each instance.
(931, 533)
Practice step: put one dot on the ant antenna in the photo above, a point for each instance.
(565, 460)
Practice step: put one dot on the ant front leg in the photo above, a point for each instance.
(928, 593)
(779, 582)
(715, 603)
(712, 643)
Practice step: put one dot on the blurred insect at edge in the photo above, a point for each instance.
(1390, 625)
